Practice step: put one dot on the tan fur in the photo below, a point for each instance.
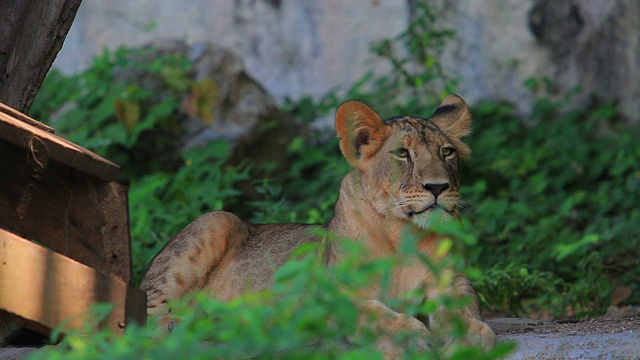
(404, 169)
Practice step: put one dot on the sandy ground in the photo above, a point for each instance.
(517, 326)
(602, 338)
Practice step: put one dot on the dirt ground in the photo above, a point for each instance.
(608, 337)
(566, 327)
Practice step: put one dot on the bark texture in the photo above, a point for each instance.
(31, 34)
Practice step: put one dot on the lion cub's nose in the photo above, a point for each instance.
(436, 189)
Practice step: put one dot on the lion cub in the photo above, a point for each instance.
(404, 169)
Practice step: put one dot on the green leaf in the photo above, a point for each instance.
(564, 250)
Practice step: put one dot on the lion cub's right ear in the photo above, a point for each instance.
(361, 131)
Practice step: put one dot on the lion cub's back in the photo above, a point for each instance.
(251, 266)
(222, 254)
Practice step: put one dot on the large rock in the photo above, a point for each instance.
(600, 338)
(224, 102)
(593, 45)
(243, 111)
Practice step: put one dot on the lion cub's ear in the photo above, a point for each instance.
(360, 129)
(453, 118)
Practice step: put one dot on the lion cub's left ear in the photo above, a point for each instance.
(360, 129)
(453, 118)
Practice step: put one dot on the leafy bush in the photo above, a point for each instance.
(115, 108)
(162, 204)
(554, 207)
(309, 313)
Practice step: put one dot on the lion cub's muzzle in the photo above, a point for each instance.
(435, 197)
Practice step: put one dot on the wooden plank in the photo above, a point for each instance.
(115, 230)
(65, 209)
(43, 290)
(22, 117)
(136, 306)
(43, 144)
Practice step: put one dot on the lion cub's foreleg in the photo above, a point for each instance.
(187, 260)
(478, 332)
(389, 324)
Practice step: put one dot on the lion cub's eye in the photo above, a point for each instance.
(448, 151)
(401, 152)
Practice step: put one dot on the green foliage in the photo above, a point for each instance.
(162, 204)
(310, 312)
(309, 186)
(553, 206)
(115, 109)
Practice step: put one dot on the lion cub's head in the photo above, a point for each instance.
(409, 165)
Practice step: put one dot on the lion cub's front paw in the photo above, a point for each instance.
(391, 321)
(480, 334)
(396, 331)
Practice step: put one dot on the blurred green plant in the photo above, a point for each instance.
(310, 312)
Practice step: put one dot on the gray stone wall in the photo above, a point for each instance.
(292, 47)
(308, 47)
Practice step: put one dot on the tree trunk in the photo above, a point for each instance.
(31, 34)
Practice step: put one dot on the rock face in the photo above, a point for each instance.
(297, 48)
(293, 48)
(224, 102)
(594, 45)
(494, 51)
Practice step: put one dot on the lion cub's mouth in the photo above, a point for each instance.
(431, 207)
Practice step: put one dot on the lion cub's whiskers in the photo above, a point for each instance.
(464, 205)
(401, 204)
